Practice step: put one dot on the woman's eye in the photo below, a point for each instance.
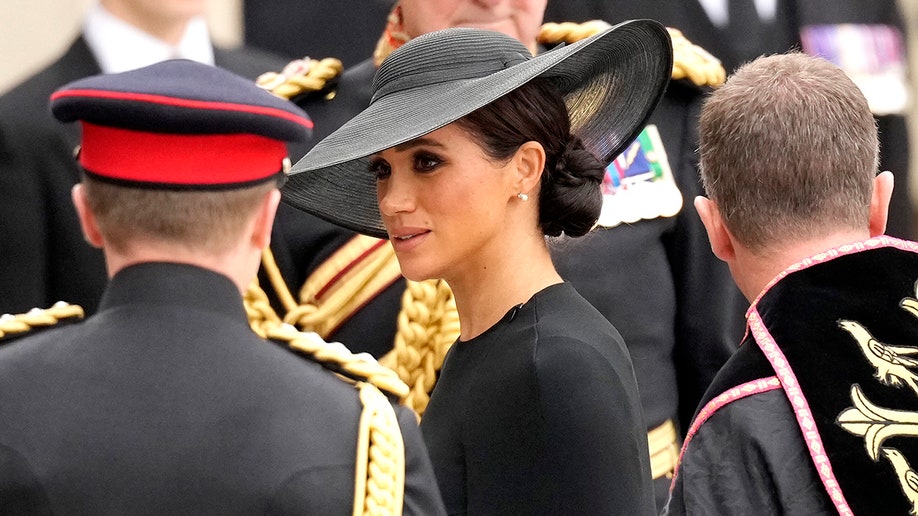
(426, 162)
(380, 169)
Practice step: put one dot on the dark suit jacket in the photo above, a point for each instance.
(345, 29)
(43, 257)
(165, 402)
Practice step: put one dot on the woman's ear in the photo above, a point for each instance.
(530, 162)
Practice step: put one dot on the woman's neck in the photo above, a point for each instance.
(486, 293)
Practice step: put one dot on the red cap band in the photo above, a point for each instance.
(179, 159)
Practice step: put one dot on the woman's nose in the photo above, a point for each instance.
(395, 196)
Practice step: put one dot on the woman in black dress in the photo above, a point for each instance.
(471, 152)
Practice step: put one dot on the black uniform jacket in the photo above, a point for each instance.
(43, 255)
(165, 402)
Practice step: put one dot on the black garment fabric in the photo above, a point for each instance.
(835, 334)
(540, 415)
(343, 29)
(749, 457)
(165, 402)
(44, 256)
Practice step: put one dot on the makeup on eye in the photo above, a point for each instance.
(379, 167)
(426, 161)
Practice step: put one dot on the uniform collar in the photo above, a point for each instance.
(175, 284)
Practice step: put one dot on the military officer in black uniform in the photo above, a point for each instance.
(165, 401)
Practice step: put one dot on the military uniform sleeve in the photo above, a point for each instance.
(749, 458)
(422, 496)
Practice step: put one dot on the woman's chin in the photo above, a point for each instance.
(415, 272)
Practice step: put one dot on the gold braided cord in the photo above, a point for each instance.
(428, 324)
(269, 265)
(336, 355)
(689, 60)
(301, 76)
(258, 310)
(352, 276)
(346, 281)
(18, 324)
(379, 481)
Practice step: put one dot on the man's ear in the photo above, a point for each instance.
(879, 202)
(530, 162)
(720, 238)
(87, 219)
(264, 219)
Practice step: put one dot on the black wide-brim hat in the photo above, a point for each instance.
(611, 82)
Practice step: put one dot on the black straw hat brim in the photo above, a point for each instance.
(611, 82)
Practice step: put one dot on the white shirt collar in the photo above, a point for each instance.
(119, 46)
(717, 10)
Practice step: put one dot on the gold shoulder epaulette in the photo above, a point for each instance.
(19, 325)
(690, 61)
(301, 76)
(568, 32)
(336, 357)
(695, 63)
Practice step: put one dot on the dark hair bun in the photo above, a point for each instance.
(571, 197)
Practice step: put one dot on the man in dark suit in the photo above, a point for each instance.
(43, 257)
(165, 401)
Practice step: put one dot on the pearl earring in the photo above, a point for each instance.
(522, 196)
